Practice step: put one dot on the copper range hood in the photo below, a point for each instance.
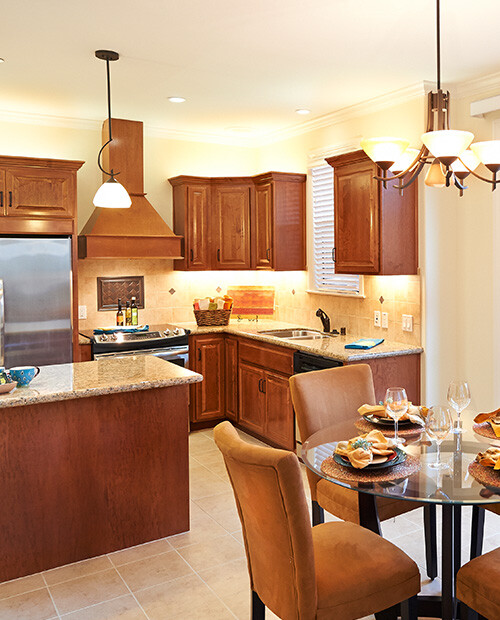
(137, 232)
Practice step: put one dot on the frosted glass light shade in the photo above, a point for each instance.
(384, 151)
(112, 195)
(435, 176)
(468, 158)
(447, 144)
(403, 162)
(489, 153)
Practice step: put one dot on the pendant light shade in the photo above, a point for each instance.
(435, 176)
(447, 144)
(112, 195)
(384, 151)
(405, 161)
(488, 153)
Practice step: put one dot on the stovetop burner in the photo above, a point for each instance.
(162, 336)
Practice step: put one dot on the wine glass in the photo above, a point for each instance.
(396, 405)
(458, 398)
(438, 424)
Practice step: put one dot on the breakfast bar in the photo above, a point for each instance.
(93, 458)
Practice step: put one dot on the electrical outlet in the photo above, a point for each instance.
(82, 312)
(407, 322)
(385, 320)
(376, 318)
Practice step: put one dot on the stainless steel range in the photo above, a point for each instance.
(168, 342)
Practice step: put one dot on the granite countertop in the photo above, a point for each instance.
(327, 347)
(103, 376)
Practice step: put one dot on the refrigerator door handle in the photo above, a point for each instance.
(2, 325)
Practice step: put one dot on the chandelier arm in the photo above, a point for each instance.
(418, 160)
(111, 174)
(478, 176)
(459, 185)
(412, 178)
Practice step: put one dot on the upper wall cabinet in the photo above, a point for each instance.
(241, 222)
(37, 195)
(376, 228)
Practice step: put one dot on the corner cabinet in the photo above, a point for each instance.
(376, 228)
(241, 222)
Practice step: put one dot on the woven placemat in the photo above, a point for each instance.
(485, 430)
(410, 466)
(406, 431)
(485, 475)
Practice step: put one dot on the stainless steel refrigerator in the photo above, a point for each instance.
(35, 301)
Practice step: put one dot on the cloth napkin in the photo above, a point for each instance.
(490, 458)
(360, 450)
(413, 413)
(493, 418)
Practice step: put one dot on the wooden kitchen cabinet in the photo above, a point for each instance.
(241, 222)
(206, 355)
(252, 398)
(231, 377)
(375, 228)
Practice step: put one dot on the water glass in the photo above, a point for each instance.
(459, 399)
(438, 424)
(396, 405)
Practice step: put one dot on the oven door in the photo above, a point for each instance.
(176, 355)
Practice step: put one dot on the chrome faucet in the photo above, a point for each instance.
(325, 319)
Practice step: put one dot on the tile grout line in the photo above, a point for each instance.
(50, 594)
(133, 595)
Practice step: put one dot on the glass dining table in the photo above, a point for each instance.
(451, 487)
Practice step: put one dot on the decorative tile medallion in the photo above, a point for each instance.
(218, 289)
(381, 299)
(110, 290)
(172, 291)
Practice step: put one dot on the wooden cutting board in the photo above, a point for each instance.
(252, 300)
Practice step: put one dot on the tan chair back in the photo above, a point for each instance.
(270, 498)
(323, 397)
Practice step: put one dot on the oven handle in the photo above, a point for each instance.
(167, 353)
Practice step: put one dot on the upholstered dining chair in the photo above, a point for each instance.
(333, 571)
(478, 587)
(477, 526)
(322, 398)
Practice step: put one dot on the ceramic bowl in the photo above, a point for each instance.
(5, 388)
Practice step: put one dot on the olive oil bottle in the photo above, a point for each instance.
(134, 311)
(128, 314)
(119, 314)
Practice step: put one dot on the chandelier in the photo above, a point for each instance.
(445, 150)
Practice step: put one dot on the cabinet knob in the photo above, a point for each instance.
(268, 254)
(10, 199)
(1, 200)
(191, 254)
(218, 255)
(333, 254)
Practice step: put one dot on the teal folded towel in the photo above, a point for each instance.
(125, 330)
(364, 343)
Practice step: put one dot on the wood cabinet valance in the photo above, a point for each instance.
(241, 222)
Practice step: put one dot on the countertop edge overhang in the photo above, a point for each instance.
(56, 382)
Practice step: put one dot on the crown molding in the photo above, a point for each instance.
(354, 111)
(478, 86)
(49, 120)
(318, 156)
(198, 136)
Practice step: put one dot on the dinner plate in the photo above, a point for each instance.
(399, 456)
(371, 417)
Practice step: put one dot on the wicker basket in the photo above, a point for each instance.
(212, 317)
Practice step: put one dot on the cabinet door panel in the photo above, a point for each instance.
(231, 353)
(263, 226)
(233, 227)
(252, 399)
(356, 219)
(279, 412)
(209, 394)
(40, 192)
(197, 238)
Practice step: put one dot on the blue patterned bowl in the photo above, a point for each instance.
(24, 375)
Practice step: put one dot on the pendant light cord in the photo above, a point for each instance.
(108, 82)
(438, 46)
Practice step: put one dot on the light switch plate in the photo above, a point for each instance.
(376, 318)
(385, 320)
(82, 312)
(407, 322)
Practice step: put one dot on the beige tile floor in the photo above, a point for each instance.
(200, 574)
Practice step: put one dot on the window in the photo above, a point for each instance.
(324, 276)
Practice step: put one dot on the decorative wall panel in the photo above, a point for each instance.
(109, 290)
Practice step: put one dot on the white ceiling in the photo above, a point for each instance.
(240, 64)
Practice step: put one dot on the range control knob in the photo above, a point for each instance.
(167, 332)
(176, 331)
(104, 337)
(113, 337)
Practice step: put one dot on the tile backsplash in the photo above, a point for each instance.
(169, 295)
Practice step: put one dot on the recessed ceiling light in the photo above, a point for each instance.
(2, 60)
(303, 111)
(176, 99)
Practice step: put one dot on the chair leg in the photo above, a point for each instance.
(430, 532)
(477, 532)
(318, 514)
(258, 607)
(392, 613)
(409, 609)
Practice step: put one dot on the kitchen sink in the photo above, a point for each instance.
(296, 334)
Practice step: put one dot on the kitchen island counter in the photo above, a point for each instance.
(97, 378)
(94, 459)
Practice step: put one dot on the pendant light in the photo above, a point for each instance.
(445, 150)
(111, 194)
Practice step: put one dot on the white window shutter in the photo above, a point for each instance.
(325, 278)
